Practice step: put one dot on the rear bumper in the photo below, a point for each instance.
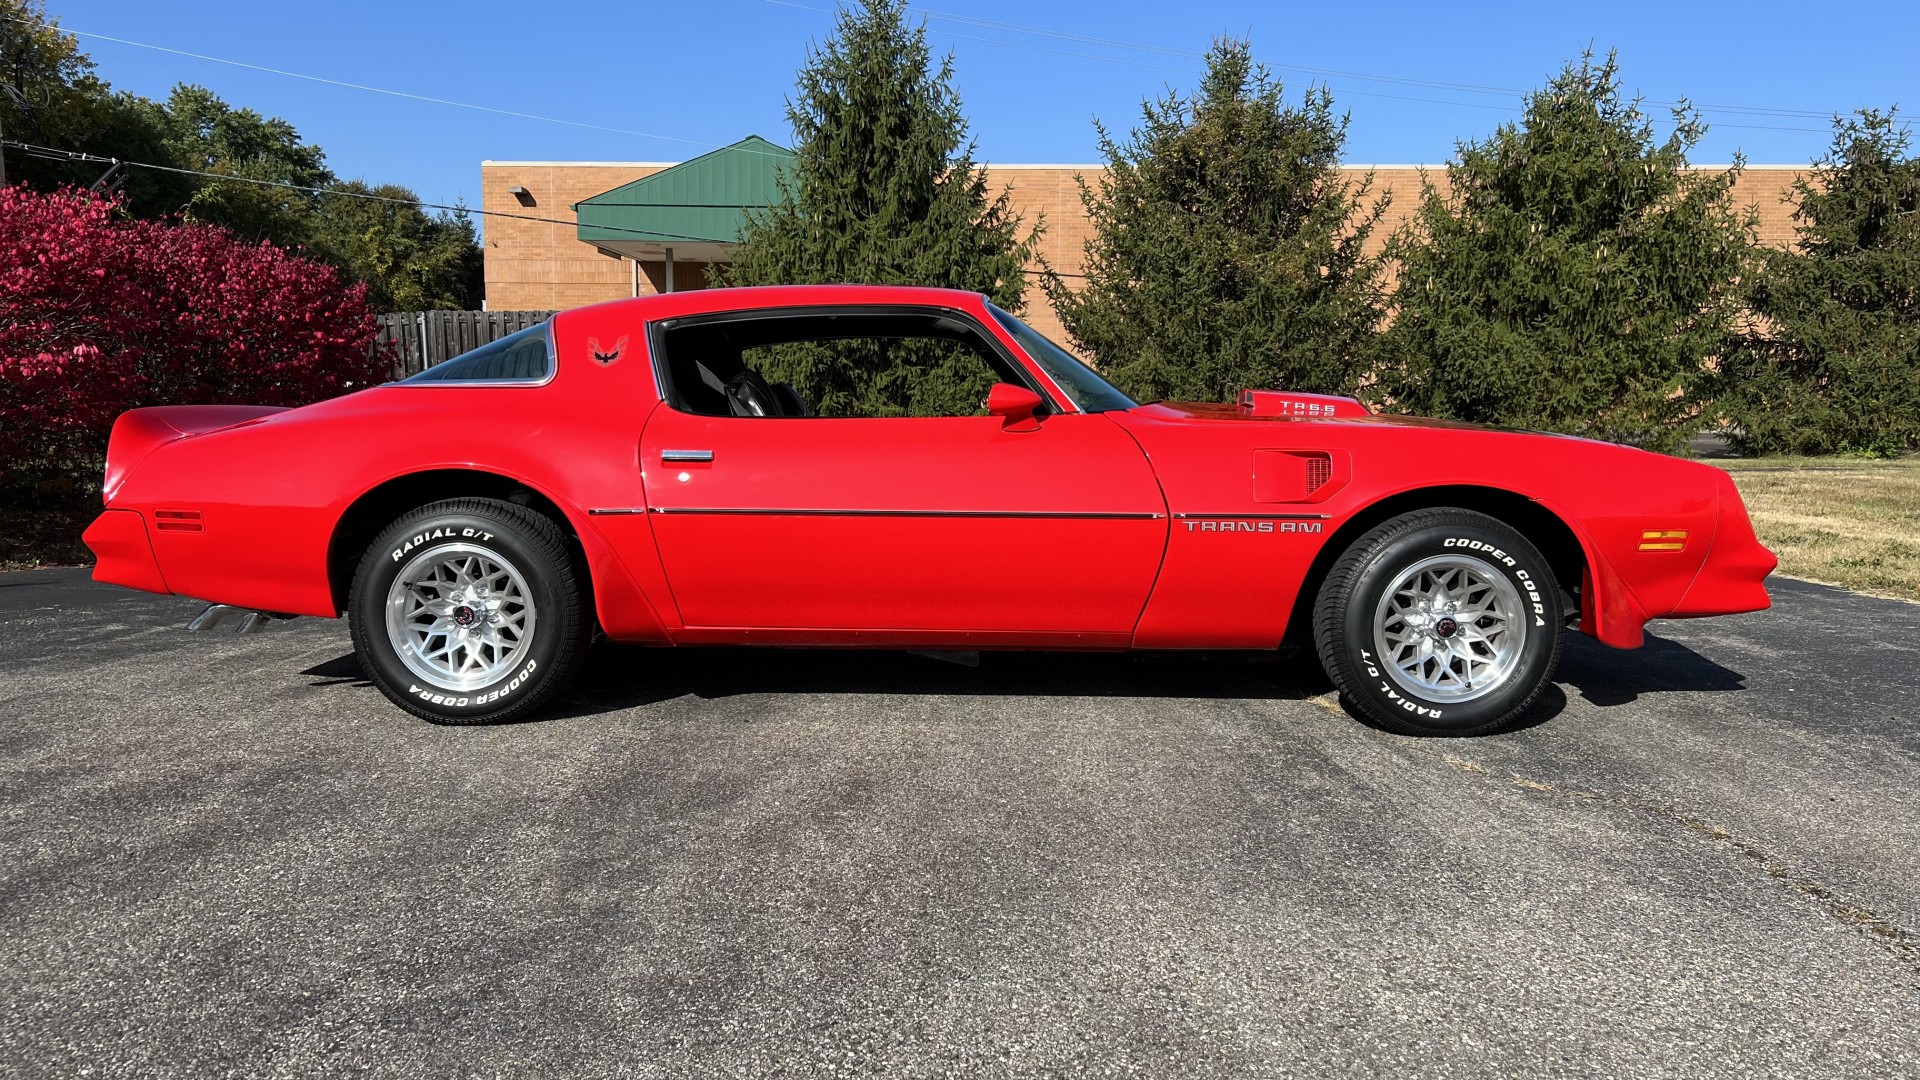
(123, 553)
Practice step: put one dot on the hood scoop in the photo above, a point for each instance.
(1301, 406)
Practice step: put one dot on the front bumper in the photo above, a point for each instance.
(1733, 577)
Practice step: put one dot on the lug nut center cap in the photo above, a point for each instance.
(464, 616)
(1446, 626)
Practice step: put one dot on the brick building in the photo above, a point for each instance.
(636, 228)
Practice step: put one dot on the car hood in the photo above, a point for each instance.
(1214, 412)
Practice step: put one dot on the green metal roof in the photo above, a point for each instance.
(702, 201)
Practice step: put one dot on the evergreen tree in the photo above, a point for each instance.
(1833, 362)
(1574, 276)
(883, 189)
(1228, 247)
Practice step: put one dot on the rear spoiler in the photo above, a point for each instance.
(140, 432)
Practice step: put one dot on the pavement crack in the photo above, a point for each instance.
(1878, 928)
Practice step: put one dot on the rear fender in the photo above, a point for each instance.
(139, 432)
(623, 608)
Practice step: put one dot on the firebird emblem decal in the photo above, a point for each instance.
(608, 357)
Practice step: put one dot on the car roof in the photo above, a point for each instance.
(708, 301)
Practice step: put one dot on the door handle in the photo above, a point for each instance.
(685, 457)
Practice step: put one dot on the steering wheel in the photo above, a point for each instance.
(749, 395)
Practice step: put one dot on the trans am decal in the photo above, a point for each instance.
(1235, 525)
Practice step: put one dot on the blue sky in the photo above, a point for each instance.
(1033, 75)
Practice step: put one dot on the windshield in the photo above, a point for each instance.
(1090, 392)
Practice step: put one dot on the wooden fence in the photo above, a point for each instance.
(422, 339)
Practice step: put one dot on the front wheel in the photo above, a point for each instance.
(469, 611)
(1440, 622)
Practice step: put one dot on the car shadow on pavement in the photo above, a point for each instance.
(625, 676)
(1608, 677)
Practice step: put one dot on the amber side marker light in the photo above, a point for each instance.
(1663, 540)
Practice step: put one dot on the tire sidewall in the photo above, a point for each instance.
(394, 549)
(1504, 552)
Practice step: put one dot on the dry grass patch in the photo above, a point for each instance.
(1852, 522)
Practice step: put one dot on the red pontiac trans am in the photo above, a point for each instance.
(626, 468)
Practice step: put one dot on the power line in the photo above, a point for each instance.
(77, 155)
(965, 20)
(1470, 88)
(1120, 60)
(971, 21)
(379, 89)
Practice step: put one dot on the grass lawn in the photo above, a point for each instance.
(1853, 522)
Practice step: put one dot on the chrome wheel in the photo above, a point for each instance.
(1450, 628)
(459, 616)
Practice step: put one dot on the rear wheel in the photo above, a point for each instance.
(469, 611)
(1440, 621)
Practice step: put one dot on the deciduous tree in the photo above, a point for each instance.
(100, 313)
(411, 259)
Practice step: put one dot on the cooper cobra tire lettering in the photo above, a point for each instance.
(1480, 546)
(1526, 582)
(1533, 597)
(490, 696)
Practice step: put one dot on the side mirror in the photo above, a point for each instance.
(1012, 402)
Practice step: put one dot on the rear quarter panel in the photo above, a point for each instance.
(270, 494)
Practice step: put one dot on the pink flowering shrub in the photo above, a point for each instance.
(100, 314)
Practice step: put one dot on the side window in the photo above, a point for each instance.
(840, 365)
(876, 377)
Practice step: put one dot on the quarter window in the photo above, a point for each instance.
(522, 356)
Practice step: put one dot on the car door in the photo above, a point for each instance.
(963, 529)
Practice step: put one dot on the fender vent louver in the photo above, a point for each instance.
(1319, 471)
(177, 521)
(1294, 475)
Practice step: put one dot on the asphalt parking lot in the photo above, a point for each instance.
(225, 855)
